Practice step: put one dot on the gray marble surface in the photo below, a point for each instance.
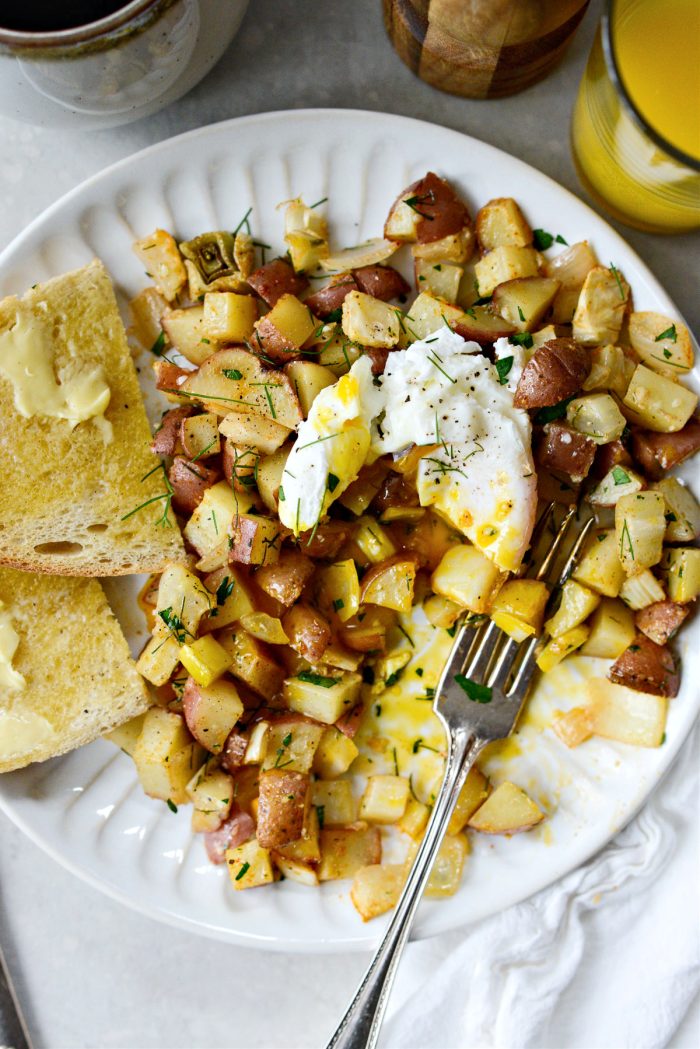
(91, 972)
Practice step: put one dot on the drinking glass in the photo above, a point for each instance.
(636, 121)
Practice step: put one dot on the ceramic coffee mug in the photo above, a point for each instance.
(116, 69)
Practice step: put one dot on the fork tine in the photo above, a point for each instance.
(526, 670)
(504, 663)
(486, 643)
(551, 554)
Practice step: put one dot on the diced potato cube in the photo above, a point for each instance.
(200, 436)
(166, 756)
(376, 888)
(335, 754)
(324, 701)
(182, 601)
(622, 714)
(467, 577)
(612, 630)
(597, 416)
(503, 263)
(428, 314)
(369, 321)
(229, 317)
(231, 602)
(287, 326)
(441, 611)
(270, 470)
(255, 540)
(307, 849)
(185, 330)
(415, 819)
(501, 222)
(303, 873)
(439, 278)
(662, 344)
(574, 727)
(600, 567)
(508, 810)
(345, 849)
(518, 608)
(658, 403)
(254, 431)
(577, 603)
(621, 480)
(640, 526)
(570, 267)
(681, 568)
(207, 527)
(146, 310)
(335, 801)
(306, 234)
(308, 379)
(211, 712)
(455, 247)
(162, 261)
(249, 865)
(292, 745)
(158, 660)
(339, 354)
(682, 511)
(523, 302)
(473, 794)
(601, 307)
(390, 584)
(205, 659)
(340, 588)
(643, 589)
(265, 628)
(211, 790)
(384, 799)
(558, 648)
(126, 736)
(446, 874)
(253, 663)
(373, 540)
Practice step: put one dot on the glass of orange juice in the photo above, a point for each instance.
(636, 122)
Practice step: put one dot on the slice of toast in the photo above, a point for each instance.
(66, 489)
(80, 679)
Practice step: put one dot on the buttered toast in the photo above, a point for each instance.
(66, 674)
(74, 440)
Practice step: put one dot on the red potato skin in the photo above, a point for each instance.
(192, 705)
(566, 453)
(243, 534)
(659, 622)
(551, 489)
(234, 831)
(332, 296)
(327, 541)
(165, 439)
(382, 282)
(378, 355)
(190, 481)
(308, 632)
(349, 722)
(608, 456)
(282, 804)
(286, 580)
(234, 751)
(272, 343)
(395, 491)
(275, 279)
(440, 212)
(647, 667)
(470, 329)
(169, 377)
(659, 452)
(238, 464)
(556, 371)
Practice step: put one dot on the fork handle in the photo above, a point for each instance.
(359, 1028)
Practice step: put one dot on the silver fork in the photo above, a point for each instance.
(487, 657)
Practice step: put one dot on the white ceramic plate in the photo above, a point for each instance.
(86, 809)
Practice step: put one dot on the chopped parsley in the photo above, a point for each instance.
(393, 678)
(554, 411)
(171, 805)
(543, 240)
(503, 368)
(245, 867)
(625, 535)
(175, 625)
(232, 373)
(334, 316)
(224, 590)
(476, 692)
(670, 333)
(620, 476)
(317, 679)
(321, 813)
(158, 346)
(521, 338)
(338, 603)
(333, 482)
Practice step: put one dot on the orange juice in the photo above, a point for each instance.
(636, 123)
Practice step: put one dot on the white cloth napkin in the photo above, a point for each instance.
(608, 958)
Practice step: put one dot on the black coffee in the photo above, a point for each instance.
(37, 16)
